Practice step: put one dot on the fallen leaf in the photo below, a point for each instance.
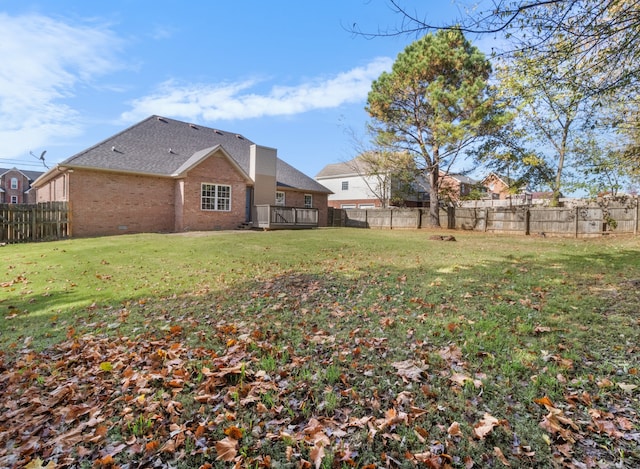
(408, 370)
(500, 455)
(545, 401)
(316, 455)
(485, 426)
(37, 464)
(234, 433)
(627, 387)
(454, 430)
(227, 449)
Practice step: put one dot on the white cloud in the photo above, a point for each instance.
(44, 61)
(236, 101)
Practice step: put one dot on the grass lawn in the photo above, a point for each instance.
(324, 348)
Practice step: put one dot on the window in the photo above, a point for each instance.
(280, 198)
(308, 201)
(345, 185)
(14, 183)
(347, 206)
(216, 197)
(14, 199)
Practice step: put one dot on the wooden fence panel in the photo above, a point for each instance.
(20, 223)
(578, 221)
(506, 220)
(552, 221)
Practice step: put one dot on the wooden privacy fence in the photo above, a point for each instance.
(20, 223)
(579, 221)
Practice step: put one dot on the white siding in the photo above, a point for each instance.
(358, 188)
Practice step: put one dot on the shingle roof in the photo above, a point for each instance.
(353, 167)
(161, 146)
(32, 175)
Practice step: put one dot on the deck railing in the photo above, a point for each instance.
(274, 217)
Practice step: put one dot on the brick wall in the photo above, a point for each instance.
(110, 203)
(104, 203)
(215, 170)
(319, 201)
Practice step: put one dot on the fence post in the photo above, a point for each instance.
(34, 223)
(577, 220)
(527, 221)
(637, 215)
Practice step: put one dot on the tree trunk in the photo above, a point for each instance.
(434, 201)
(555, 198)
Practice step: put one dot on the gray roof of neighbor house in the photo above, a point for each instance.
(160, 146)
(352, 167)
(32, 175)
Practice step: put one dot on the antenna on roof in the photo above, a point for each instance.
(41, 158)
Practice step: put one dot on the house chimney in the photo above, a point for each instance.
(262, 169)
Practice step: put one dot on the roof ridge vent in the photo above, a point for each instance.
(217, 131)
(162, 119)
(193, 126)
(239, 136)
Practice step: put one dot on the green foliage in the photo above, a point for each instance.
(140, 426)
(434, 103)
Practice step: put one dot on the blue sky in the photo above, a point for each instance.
(285, 74)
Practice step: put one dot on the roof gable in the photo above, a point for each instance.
(199, 156)
(30, 175)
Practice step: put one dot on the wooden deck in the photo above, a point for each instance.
(272, 217)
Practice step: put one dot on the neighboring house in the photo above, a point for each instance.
(15, 186)
(497, 186)
(164, 175)
(353, 186)
(455, 187)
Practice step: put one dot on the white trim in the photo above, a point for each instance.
(214, 200)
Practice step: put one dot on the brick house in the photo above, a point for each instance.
(455, 187)
(497, 186)
(164, 175)
(15, 186)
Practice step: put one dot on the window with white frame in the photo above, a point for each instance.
(216, 197)
(14, 199)
(308, 201)
(280, 198)
(345, 185)
(14, 183)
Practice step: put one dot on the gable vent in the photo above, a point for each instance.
(162, 119)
